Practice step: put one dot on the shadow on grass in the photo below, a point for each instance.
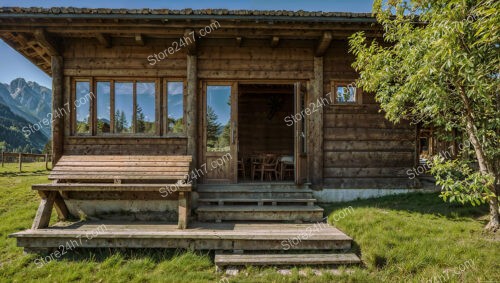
(424, 203)
(24, 174)
(100, 255)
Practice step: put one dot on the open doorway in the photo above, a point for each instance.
(265, 139)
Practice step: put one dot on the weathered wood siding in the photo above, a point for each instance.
(86, 57)
(361, 148)
(255, 59)
(124, 146)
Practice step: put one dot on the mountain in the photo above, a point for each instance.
(15, 133)
(23, 105)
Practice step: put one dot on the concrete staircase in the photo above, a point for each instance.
(257, 202)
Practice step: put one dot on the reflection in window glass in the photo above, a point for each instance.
(82, 105)
(218, 125)
(103, 107)
(346, 94)
(145, 112)
(175, 96)
(124, 107)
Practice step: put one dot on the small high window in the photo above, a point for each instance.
(345, 93)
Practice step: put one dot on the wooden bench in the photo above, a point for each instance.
(111, 173)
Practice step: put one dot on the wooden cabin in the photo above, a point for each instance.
(255, 113)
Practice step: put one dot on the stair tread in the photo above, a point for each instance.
(208, 208)
(249, 189)
(258, 199)
(285, 259)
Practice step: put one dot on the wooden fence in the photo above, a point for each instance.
(20, 156)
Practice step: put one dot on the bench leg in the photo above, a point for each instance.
(59, 205)
(183, 210)
(44, 211)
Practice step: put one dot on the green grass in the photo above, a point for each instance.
(408, 238)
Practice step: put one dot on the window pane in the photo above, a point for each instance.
(103, 107)
(218, 118)
(145, 112)
(124, 104)
(175, 95)
(82, 105)
(346, 94)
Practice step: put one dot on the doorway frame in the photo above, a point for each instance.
(301, 172)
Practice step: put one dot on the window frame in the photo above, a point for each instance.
(164, 110)
(344, 83)
(160, 105)
(73, 107)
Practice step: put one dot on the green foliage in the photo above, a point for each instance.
(461, 182)
(438, 64)
(176, 126)
(48, 147)
(224, 138)
(121, 123)
(213, 128)
(142, 125)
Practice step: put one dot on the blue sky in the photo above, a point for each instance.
(13, 65)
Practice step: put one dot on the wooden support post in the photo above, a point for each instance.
(59, 204)
(20, 162)
(42, 217)
(46, 161)
(183, 210)
(316, 126)
(191, 44)
(57, 103)
(191, 107)
(61, 208)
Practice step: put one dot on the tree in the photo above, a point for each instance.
(177, 126)
(439, 65)
(224, 137)
(48, 147)
(121, 122)
(213, 127)
(140, 120)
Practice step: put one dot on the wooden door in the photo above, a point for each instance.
(300, 150)
(220, 138)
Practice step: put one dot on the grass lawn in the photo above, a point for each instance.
(408, 238)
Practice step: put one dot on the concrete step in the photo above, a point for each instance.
(222, 260)
(266, 201)
(266, 213)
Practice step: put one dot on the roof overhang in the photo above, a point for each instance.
(37, 33)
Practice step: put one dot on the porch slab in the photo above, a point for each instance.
(232, 236)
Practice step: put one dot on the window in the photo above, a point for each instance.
(175, 108)
(121, 107)
(218, 118)
(346, 93)
(145, 109)
(124, 107)
(82, 107)
(103, 107)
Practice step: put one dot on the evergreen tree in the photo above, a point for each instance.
(213, 128)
